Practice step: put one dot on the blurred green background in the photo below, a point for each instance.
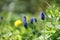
(13, 10)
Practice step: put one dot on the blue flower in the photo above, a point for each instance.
(31, 20)
(35, 19)
(25, 24)
(25, 18)
(42, 16)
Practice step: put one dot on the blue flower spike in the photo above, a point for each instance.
(42, 16)
(35, 19)
(25, 18)
(31, 20)
(25, 24)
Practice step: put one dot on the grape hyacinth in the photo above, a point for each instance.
(25, 24)
(31, 20)
(35, 19)
(25, 18)
(42, 16)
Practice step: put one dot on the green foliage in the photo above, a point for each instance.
(53, 15)
(49, 29)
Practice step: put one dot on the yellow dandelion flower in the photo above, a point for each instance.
(17, 23)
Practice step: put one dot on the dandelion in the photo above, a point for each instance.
(25, 24)
(17, 23)
(35, 19)
(31, 20)
(42, 16)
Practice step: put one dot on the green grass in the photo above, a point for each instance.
(49, 29)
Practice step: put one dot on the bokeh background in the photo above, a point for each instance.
(12, 25)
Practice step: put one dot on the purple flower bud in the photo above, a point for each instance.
(35, 19)
(25, 24)
(31, 20)
(42, 16)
